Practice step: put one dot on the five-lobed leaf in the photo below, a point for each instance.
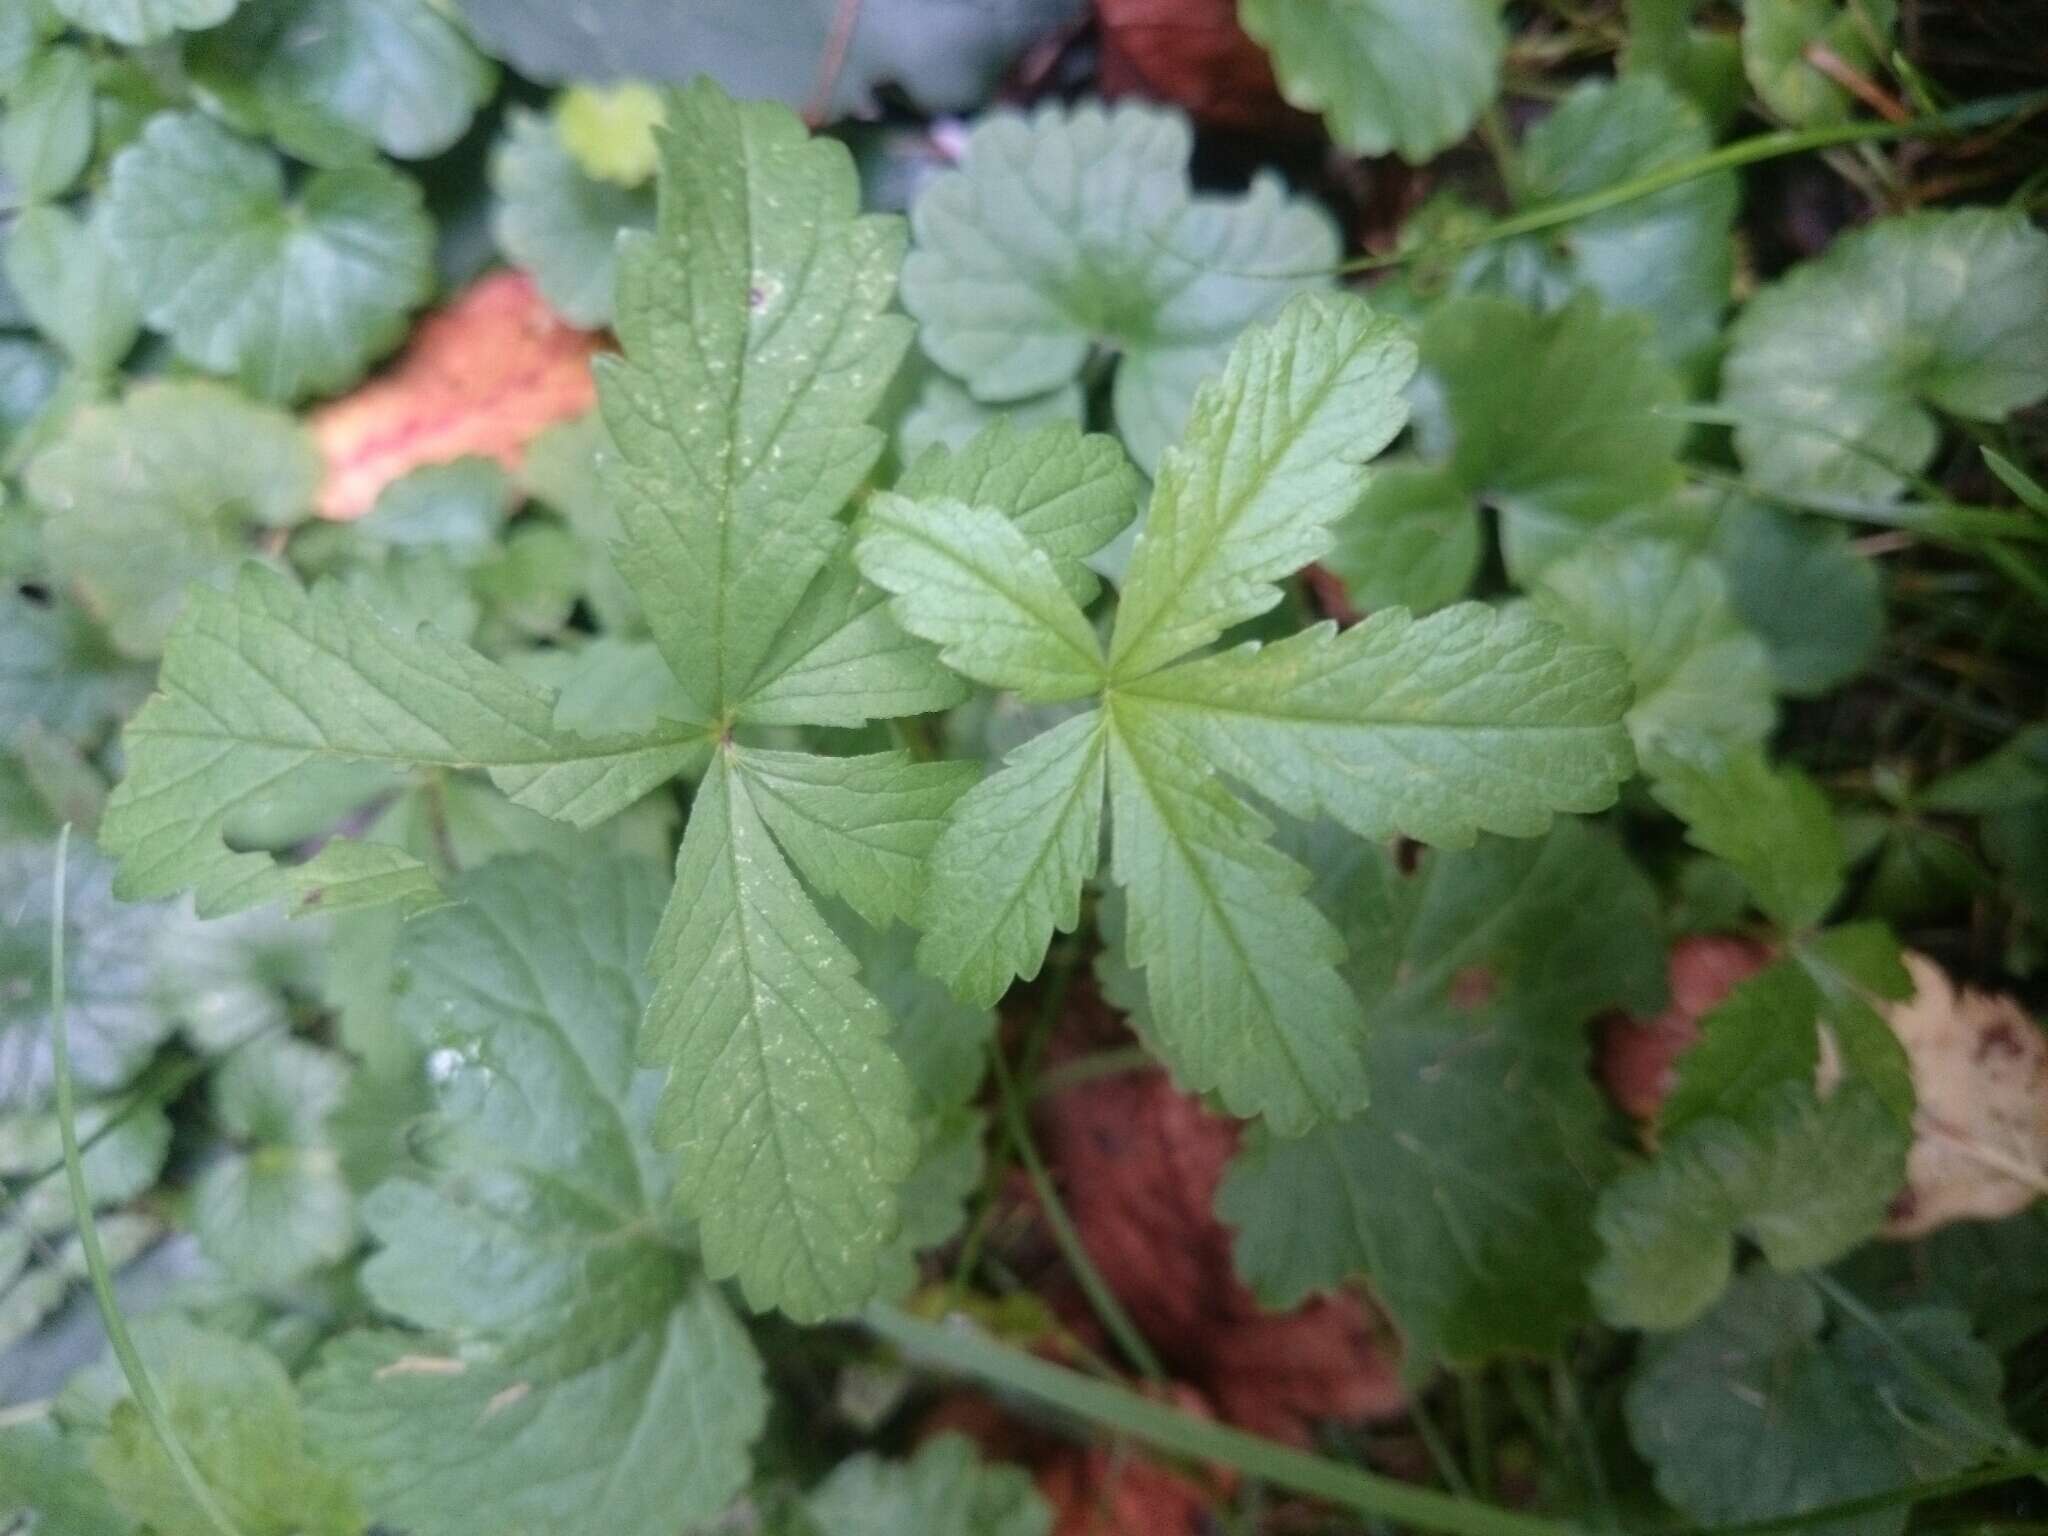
(1466, 721)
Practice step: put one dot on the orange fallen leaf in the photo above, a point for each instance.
(483, 375)
(1980, 1128)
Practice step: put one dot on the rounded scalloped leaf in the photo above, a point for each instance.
(115, 1022)
(1404, 75)
(558, 223)
(294, 295)
(1077, 228)
(143, 498)
(1835, 370)
(133, 23)
(323, 76)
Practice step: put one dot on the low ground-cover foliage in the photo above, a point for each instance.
(570, 904)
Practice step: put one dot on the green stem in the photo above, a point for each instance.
(1439, 1448)
(952, 1348)
(1101, 1299)
(139, 1382)
(1762, 146)
(1478, 1431)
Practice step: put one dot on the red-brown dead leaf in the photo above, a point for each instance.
(1138, 1163)
(483, 375)
(1193, 54)
(1638, 1058)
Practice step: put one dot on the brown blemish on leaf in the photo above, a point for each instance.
(421, 1365)
(500, 1401)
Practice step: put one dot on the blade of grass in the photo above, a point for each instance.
(139, 1380)
(1101, 1299)
(952, 1348)
(1775, 145)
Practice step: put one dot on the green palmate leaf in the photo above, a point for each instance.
(294, 295)
(133, 23)
(115, 1022)
(1835, 370)
(1412, 541)
(1697, 672)
(1038, 821)
(858, 827)
(756, 346)
(1437, 729)
(752, 362)
(1270, 458)
(1766, 1409)
(1804, 1178)
(789, 1112)
(166, 489)
(324, 75)
(1075, 228)
(1670, 255)
(577, 1375)
(558, 223)
(1772, 824)
(66, 278)
(1466, 1192)
(1564, 441)
(276, 1206)
(1405, 75)
(235, 1411)
(946, 53)
(46, 133)
(973, 583)
(945, 1490)
(1466, 721)
(1780, 39)
(262, 683)
(1068, 493)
